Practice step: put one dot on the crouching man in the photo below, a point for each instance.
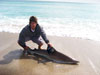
(32, 31)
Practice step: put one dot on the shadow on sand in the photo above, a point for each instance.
(18, 54)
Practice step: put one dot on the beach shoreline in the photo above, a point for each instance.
(85, 51)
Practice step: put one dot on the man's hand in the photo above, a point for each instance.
(50, 49)
(26, 48)
(49, 44)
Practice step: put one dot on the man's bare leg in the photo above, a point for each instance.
(39, 47)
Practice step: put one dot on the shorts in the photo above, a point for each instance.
(34, 39)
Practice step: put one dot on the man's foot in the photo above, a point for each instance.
(39, 48)
(25, 52)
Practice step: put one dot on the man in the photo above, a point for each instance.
(33, 31)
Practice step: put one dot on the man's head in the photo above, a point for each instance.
(33, 22)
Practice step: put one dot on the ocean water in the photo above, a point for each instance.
(80, 20)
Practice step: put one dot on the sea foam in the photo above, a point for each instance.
(86, 29)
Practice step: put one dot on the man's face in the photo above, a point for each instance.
(33, 25)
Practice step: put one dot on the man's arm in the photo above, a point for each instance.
(21, 40)
(43, 34)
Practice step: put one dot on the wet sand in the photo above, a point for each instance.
(12, 62)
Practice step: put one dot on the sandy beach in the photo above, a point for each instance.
(13, 63)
